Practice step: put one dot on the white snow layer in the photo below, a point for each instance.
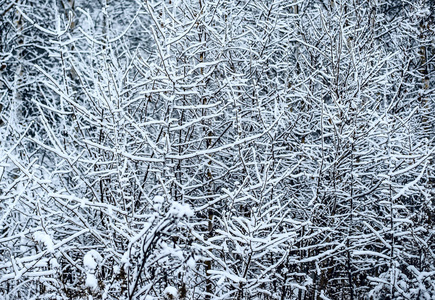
(42, 237)
(191, 263)
(91, 281)
(92, 259)
(159, 199)
(170, 291)
(179, 210)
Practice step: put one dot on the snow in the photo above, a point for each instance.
(125, 258)
(175, 252)
(225, 274)
(217, 136)
(191, 263)
(171, 292)
(180, 210)
(54, 263)
(45, 239)
(91, 281)
(92, 259)
(159, 199)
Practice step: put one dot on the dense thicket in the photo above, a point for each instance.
(217, 149)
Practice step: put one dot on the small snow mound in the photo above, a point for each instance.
(54, 263)
(158, 202)
(170, 292)
(42, 237)
(191, 263)
(179, 210)
(168, 250)
(92, 259)
(91, 281)
(159, 199)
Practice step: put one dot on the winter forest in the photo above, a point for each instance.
(217, 149)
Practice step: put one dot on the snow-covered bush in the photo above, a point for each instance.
(167, 149)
